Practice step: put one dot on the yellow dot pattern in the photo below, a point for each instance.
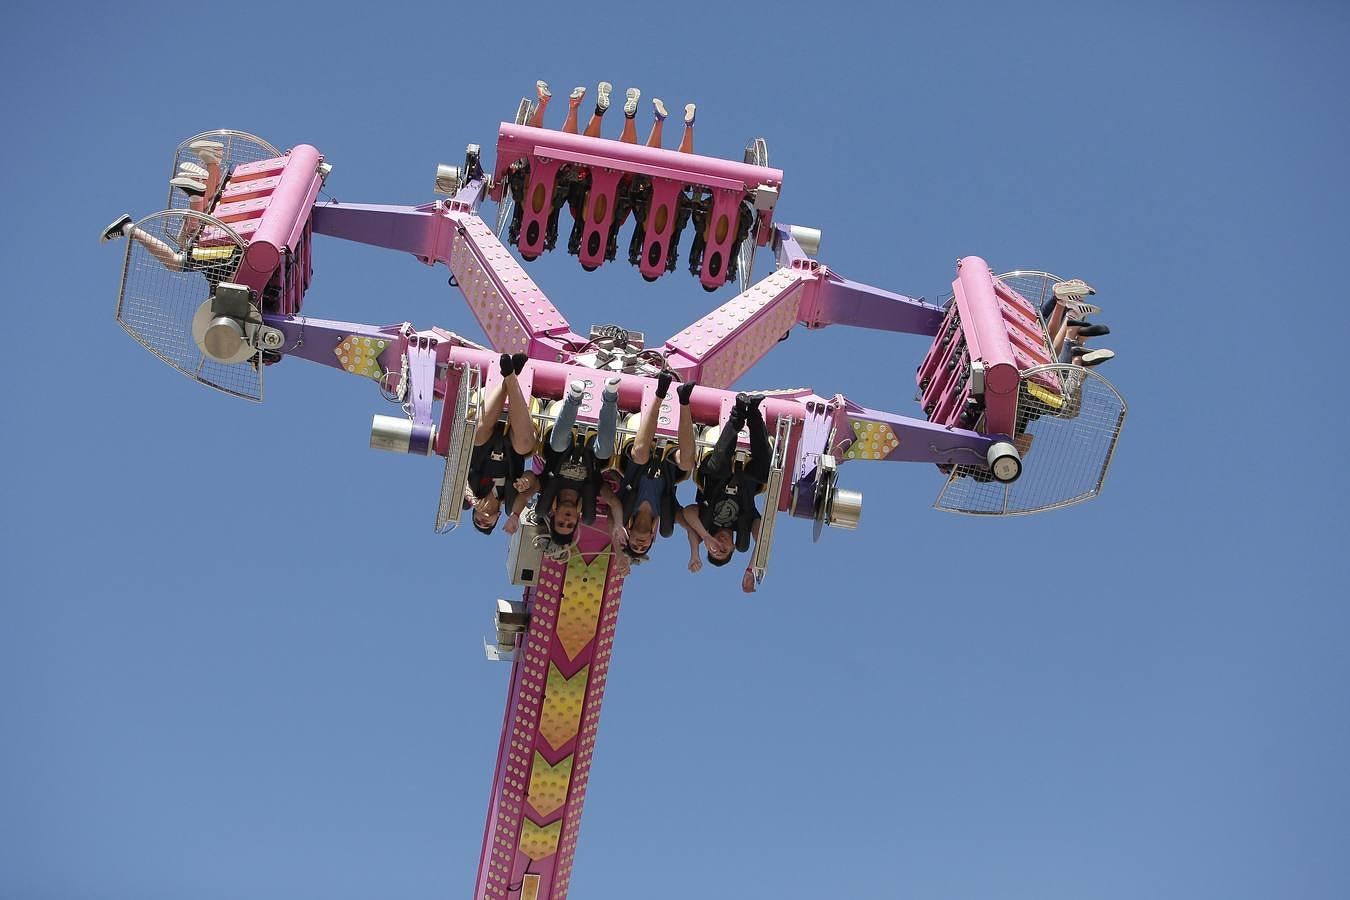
(361, 355)
(561, 715)
(539, 841)
(871, 440)
(548, 784)
(583, 591)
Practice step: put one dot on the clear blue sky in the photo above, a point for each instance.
(1144, 696)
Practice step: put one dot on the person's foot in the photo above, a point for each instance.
(663, 384)
(578, 93)
(576, 390)
(1085, 356)
(541, 90)
(197, 146)
(192, 170)
(689, 110)
(190, 186)
(1080, 309)
(1076, 288)
(602, 93)
(749, 403)
(685, 391)
(630, 104)
(505, 363)
(518, 361)
(612, 387)
(659, 108)
(115, 230)
(1092, 330)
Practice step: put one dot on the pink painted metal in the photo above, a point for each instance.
(283, 221)
(988, 342)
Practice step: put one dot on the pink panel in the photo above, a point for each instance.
(720, 236)
(538, 204)
(236, 191)
(261, 169)
(599, 215)
(659, 226)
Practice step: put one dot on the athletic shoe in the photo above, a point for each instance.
(1074, 287)
(192, 170)
(684, 391)
(1092, 330)
(630, 105)
(505, 365)
(576, 390)
(518, 361)
(114, 231)
(1080, 309)
(660, 109)
(541, 88)
(663, 383)
(689, 110)
(190, 186)
(602, 93)
(198, 146)
(577, 93)
(1087, 357)
(612, 387)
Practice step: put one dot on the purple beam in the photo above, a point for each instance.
(839, 301)
(421, 231)
(316, 339)
(870, 434)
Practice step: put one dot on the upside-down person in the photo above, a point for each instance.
(647, 492)
(570, 481)
(723, 516)
(500, 450)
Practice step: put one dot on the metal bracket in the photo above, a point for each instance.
(759, 560)
(451, 505)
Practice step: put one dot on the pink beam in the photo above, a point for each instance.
(720, 347)
(984, 328)
(517, 141)
(283, 222)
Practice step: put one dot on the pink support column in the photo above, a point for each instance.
(287, 210)
(982, 322)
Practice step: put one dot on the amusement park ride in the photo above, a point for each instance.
(214, 285)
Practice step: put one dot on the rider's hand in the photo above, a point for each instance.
(512, 523)
(695, 564)
(522, 483)
(748, 581)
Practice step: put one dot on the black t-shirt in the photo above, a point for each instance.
(495, 466)
(729, 503)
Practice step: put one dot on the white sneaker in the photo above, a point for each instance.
(602, 96)
(190, 186)
(660, 108)
(1094, 357)
(612, 386)
(1074, 287)
(630, 104)
(192, 170)
(541, 88)
(198, 146)
(689, 110)
(576, 390)
(1079, 309)
(577, 93)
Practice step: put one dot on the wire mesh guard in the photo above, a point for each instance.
(1066, 437)
(174, 261)
(237, 148)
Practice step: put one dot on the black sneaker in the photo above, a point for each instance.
(684, 391)
(1093, 331)
(114, 231)
(506, 365)
(518, 361)
(663, 384)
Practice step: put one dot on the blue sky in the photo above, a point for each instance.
(1143, 696)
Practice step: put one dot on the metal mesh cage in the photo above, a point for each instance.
(1066, 437)
(239, 147)
(174, 261)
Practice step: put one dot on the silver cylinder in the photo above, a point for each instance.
(845, 509)
(1004, 462)
(222, 339)
(807, 238)
(398, 435)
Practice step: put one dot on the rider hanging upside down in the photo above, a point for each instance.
(570, 481)
(723, 516)
(647, 493)
(500, 451)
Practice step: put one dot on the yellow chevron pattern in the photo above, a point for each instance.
(579, 612)
(548, 784)
(538, 841)
(563, 697)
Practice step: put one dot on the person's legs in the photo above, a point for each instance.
(761, 456)
(544, 94)
(601, 106)
(687, 142)
(607, 426)
(630, 105)
(658, 122)
(518, 409)
(642, 444)
(496, 402)
(688, 447)
(573, 105)
(561, 438)
(718, 462)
